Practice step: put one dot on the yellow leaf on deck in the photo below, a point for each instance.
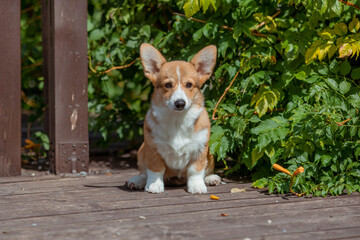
(213, 197)
(238, 190)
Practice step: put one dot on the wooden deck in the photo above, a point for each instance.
(100, 207)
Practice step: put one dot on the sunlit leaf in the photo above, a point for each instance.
(354, 25)
(340, 29)
(344, 87)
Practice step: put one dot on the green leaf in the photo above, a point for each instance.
(332, 83)
(313, 51)
(224, 147)
(340, 29)
(337, 7)
(355, 74)
(301, 75)
(96, 35)
(261, 183)
(345, 68)
(325, 160)
(191, 7)
(344, 87)
(216, 133)
(327, 34)
(146, 30)
(197, 35)
(354, 25)
(256, 154)
(355, 173)
(354, 99)
(271, 187)
(264, 100)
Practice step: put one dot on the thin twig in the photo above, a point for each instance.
(350, 4)
(343, 122)
(273, 16)
(33, 65)
(27, 9)
(223, 95)
(228, 88)
(121, 67)
(90, 66)
(113, 68)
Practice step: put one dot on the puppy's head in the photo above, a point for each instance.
(177, 83)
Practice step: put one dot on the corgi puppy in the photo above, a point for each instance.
(177, 126)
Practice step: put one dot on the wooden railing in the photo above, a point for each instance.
(64, 33)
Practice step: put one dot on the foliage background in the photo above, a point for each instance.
(295, 100)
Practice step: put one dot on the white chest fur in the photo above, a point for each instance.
(174, 136)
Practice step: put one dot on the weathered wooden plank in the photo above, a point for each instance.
(199, 228)
(10, 87)
(113, 191)
(65, 51)
(13, 188)
(85, 208)
(155, 206)
(334, 234)
(194, 210)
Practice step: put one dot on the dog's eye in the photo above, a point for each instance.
(168, 85)
(188, 85)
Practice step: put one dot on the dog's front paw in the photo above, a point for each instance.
(196, 186)
(156, 187)
(137, 182)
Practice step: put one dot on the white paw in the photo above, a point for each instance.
(212, 180)
(137, 182)
(196, 185)
(154, 182)
(156, 187)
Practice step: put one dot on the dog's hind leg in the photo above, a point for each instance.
(212, 180)
(137, 182)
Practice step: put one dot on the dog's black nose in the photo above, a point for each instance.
(180, 104)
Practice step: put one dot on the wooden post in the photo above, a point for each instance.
(10, 87)
(65, 70)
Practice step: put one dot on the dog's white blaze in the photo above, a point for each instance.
(178, 73)
(175, 139)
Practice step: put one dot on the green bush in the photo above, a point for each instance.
(295, 100)
(298, 82)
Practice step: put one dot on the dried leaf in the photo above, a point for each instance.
(213, 197)
(238, 190)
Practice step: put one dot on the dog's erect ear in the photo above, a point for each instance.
(152, 60)
(204, 62)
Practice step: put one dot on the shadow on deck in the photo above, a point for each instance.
(100, 207)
